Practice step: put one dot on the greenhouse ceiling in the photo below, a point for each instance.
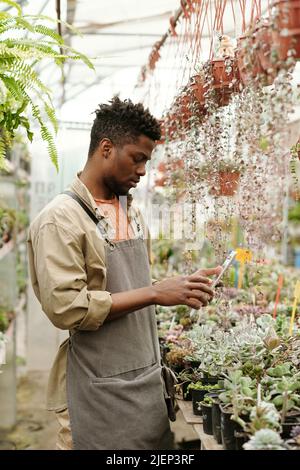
(118, 35)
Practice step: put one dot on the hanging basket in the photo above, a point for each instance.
(197, 87)
(183, 103)
(262, 39)
(286, 35)
(225, 79)
(226, 184)
(169, 128)
(247, 59)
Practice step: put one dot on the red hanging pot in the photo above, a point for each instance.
(286, 35)
(263, 44)
(226, 184)
(225, 79)
(197, 89)
(247, 59)
(185, 114)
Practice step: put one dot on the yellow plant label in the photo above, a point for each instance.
(243, 256)
(297, 290)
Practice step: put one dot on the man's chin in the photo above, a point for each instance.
(123, 192)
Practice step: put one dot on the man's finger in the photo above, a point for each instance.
(202, 296)
(198, 278)
(193, 303)
(201, 287)
(209, 271)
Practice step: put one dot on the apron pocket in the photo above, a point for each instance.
(129, 414)
(133, 373)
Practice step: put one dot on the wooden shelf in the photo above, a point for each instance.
(207, 442)
(187, 410)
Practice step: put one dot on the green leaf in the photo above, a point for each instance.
(263, 144)
(51, 115)
(13, 5)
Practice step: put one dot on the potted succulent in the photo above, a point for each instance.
(198, 391)
(176, 358)
(206, 409)
(294, 442)
(185, 378)
(265, 439)
(235, 404)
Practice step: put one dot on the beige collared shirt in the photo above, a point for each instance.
(68, 273)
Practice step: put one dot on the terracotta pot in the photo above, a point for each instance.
(221, 77)
(184, 110)
(168, 128)
(197, 88)
(247, 59)
(263, 43)
(227, 184)
(286, 35)
(224, 82)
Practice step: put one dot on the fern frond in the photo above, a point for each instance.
(46, 135)
(23, 71)
(16, 22)
(51, 115)
(33, 46)
(48, 32)
(77, 55)
(4, 15)
(16, 89)
(54, 20)
(13, 4)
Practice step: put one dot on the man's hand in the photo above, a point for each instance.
(193, 291)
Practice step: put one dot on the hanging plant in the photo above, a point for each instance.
(286, 32)
(262, 42)
(22, 93)
(249, 66)
(226, 184)
(221, 73)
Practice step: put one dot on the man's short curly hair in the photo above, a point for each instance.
(122, 122)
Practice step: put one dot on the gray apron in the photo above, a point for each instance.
(114, 385)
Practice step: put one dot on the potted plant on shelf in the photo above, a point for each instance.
(294, 442)
(206, 408)
(198, 391)
(265, 439)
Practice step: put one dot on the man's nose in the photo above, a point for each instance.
(141, 170)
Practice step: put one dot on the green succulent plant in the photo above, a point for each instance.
(265, 439)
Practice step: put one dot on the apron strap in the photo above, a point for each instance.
(92, 216)
(83, 205)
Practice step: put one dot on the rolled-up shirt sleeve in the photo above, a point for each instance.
(62, 281)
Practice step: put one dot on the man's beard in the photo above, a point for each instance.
(117, 189)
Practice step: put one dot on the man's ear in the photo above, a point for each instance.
(105, 146)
